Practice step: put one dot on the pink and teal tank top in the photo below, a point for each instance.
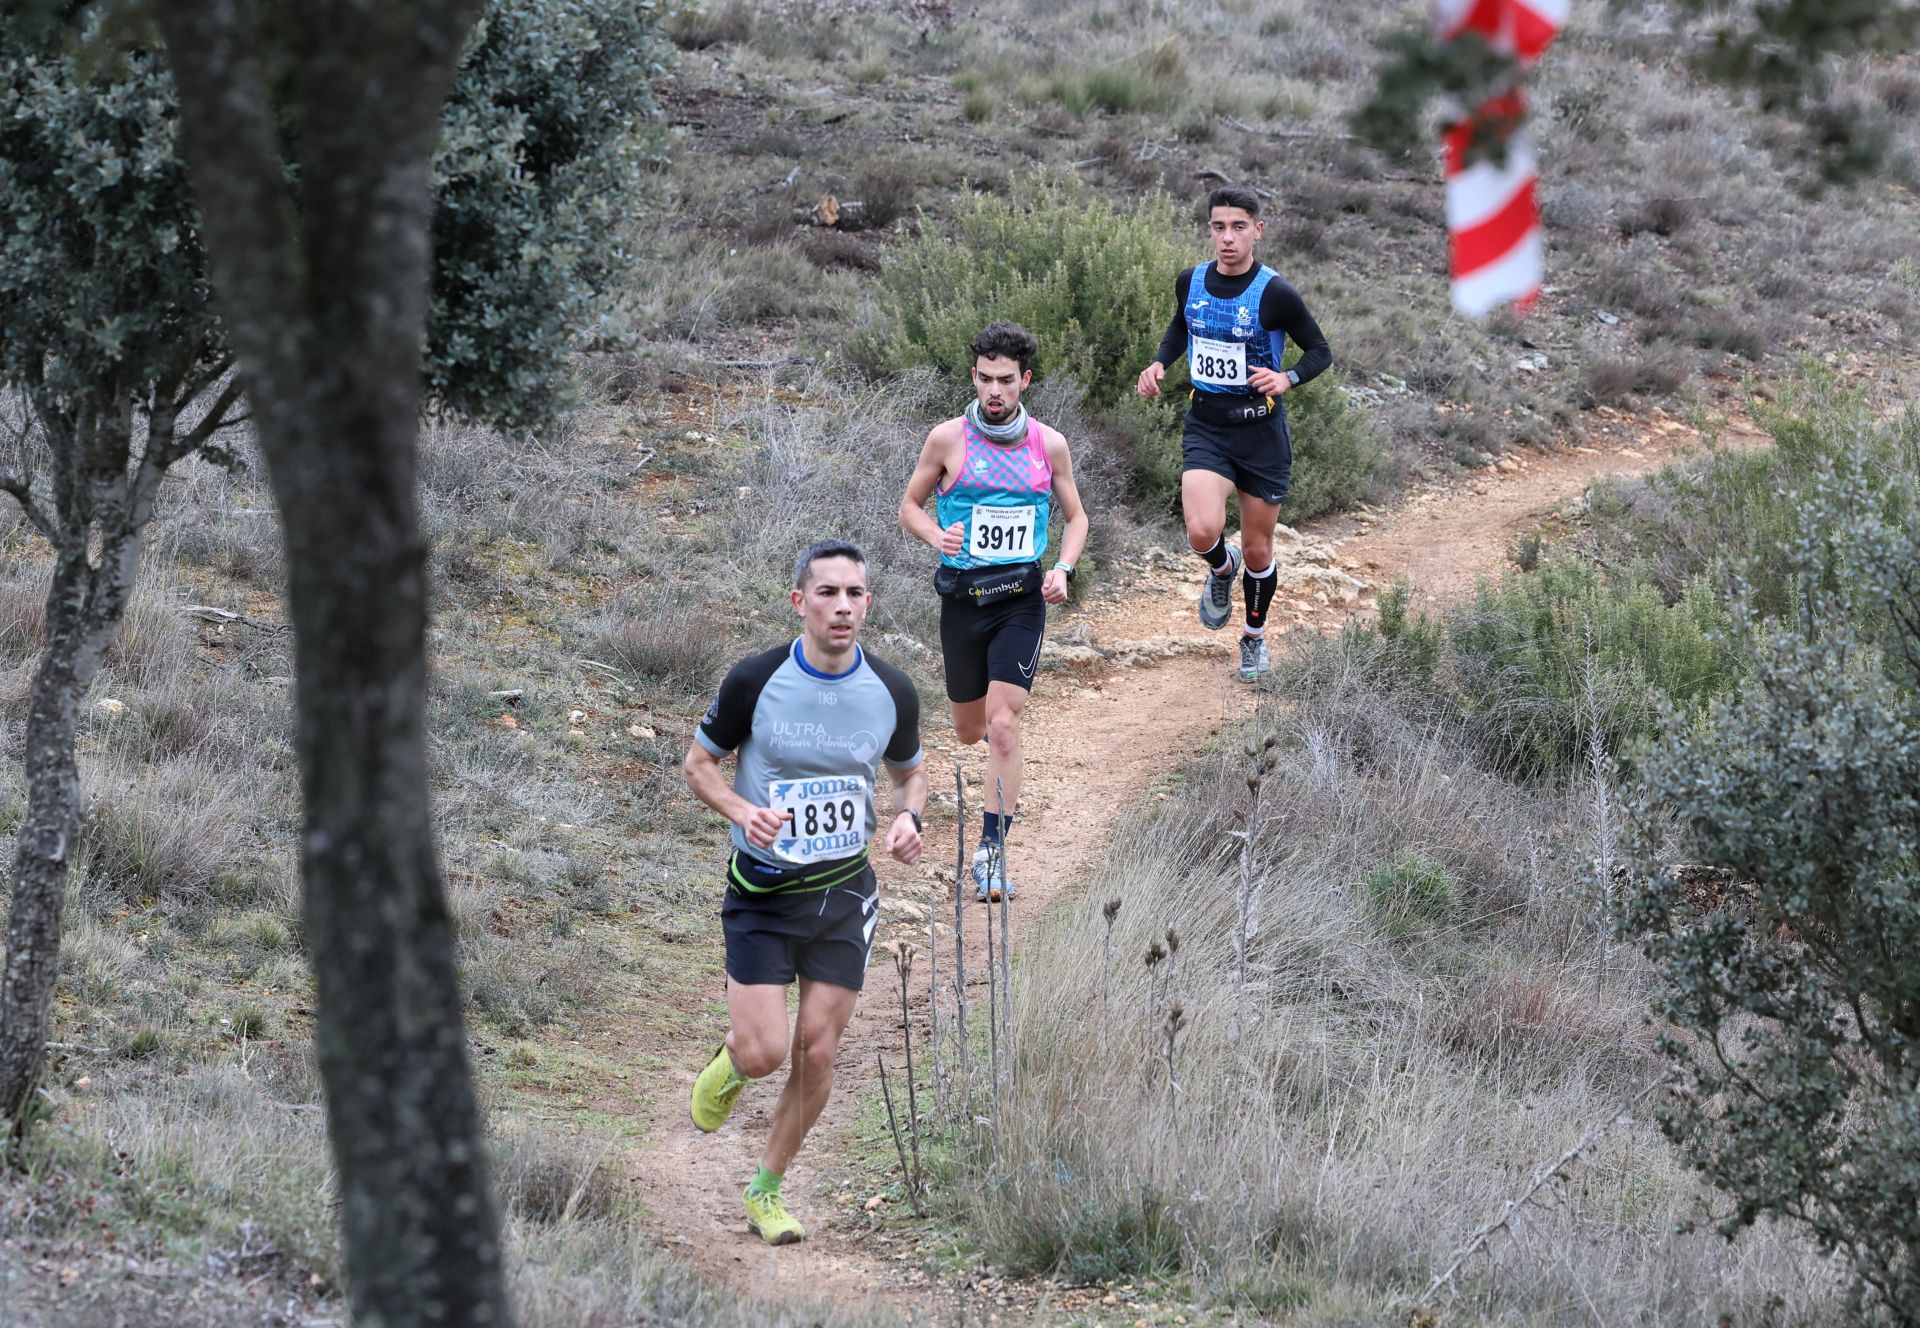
(1002, 494)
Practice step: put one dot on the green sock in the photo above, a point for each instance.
(766, 1182)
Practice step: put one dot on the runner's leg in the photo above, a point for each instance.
(757, 1042)
(1257, 520)
(970, 721)
(1258, 581)
(1203, 501)
(1003, 705)
(824, 1012)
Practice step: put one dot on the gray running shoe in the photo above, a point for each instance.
(1216, 600)
(1253, 658)
(989, 885)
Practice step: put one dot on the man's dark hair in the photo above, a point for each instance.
(1006, 341)
(824, 549)
(1234, 195)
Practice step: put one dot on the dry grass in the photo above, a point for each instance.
(1375, 1093)
(206, 1199)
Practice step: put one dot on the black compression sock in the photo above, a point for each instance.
(1217, 556)
(1259, 587)
(993, 828)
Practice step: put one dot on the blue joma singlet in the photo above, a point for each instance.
(1224, 336)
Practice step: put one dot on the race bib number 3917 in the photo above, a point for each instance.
(826, 818)
(1002, 533)
(1218, 363)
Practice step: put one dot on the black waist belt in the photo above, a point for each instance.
(1219, 408)
(987, 585)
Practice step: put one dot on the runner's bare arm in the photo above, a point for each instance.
(910, 795)
(709, 784)
(1073, 541)
(927, 473)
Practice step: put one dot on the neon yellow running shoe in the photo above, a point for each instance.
(768, 1218)
(716, 1090)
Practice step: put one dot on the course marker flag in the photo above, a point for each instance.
(1493, 208)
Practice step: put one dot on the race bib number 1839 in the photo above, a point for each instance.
(826, 818)
(1004, 534)
(1218, 363)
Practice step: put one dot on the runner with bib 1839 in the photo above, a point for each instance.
(995, 474)
(1232, 317)
(808, 724)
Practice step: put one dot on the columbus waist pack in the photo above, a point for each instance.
(987, 585)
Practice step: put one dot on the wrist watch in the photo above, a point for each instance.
(1293, 377)
(1064, 567)
(917, 825)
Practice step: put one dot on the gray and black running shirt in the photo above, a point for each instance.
(809, 744)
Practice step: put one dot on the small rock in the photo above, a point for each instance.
(874, 1202)
(576, 716)
(641, 731)
(113, 707)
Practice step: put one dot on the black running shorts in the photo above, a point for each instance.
(985, 643)
(1257, 457)
(825, 935)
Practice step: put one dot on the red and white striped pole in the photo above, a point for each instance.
(1493, 208)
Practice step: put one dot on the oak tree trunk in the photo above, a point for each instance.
(43, 851)
(102, 498)
(326, 310)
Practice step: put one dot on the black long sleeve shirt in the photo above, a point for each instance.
(1281, 310)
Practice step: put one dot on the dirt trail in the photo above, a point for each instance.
(1095, 736)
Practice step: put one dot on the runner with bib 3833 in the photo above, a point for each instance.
(1232, 317)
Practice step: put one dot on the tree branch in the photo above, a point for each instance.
(22, 494)
(211, 423)
(212, 374)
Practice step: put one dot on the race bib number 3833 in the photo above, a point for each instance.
(1218, 363)
(826, 818)
(1003, 533)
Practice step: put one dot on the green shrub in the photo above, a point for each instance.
(1791, 1005)
(547, 136)
(1334, 449)
(1746, 510)
(1414, 641)
(1539, 662)
(1092, 1237)
(1543, 659)
(1409, 893)
(1091, 280)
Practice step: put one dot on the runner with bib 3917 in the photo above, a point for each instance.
(996, 475)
